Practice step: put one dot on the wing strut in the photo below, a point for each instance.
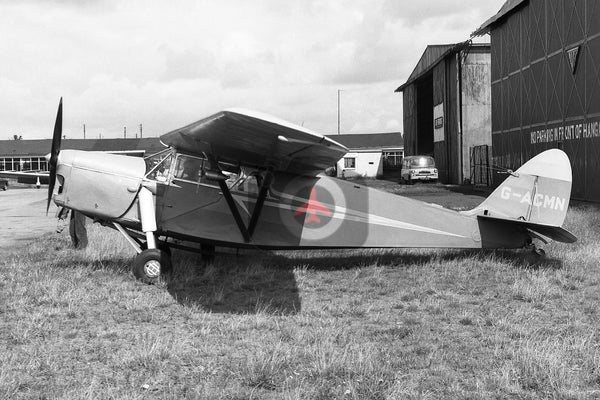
(234, 210)
(262, 195)
(247, 232)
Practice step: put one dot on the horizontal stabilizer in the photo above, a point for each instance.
(550, 231)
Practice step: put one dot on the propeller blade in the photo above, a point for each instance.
(56, 138)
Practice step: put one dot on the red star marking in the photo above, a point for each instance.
(311, 207)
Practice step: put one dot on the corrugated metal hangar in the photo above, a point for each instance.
(546, 85)
(447, 110)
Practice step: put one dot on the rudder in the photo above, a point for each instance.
(538, 192)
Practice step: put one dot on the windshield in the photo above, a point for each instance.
(422, 162)
(158, 165)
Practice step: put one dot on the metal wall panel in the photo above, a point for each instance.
(554, 24)
(441, 160)
(440, 151)
(537, 32)
(409, 108)
(451, 123)
(592, 16)
(554, 87)
(549, 98)
(574, 20)
(591, 64)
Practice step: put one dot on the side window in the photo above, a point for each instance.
(349, 162)
(188, 168)
(158, 166)
(250, 182)
(249, 185)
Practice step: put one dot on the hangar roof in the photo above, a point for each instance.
(375, 141)
(433, 54)
(41, 147)
(506, 9)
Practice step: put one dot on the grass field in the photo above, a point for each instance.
(372, 324)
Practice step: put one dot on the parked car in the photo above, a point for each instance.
(418, 168)
(3, 184)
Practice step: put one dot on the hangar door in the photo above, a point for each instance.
(425, 115)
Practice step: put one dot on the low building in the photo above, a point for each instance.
(371, 154)
(30, 155)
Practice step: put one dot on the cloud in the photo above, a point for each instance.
(166, 64)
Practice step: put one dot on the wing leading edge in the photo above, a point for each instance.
(257, 140)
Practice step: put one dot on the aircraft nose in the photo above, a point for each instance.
(66, 157)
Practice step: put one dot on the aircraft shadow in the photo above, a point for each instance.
(399, 258)
(256, 282)
(234, 285)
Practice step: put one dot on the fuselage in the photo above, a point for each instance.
(298, 211)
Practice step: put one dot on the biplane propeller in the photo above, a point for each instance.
(248, 180)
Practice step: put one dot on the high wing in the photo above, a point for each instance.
(257, 140)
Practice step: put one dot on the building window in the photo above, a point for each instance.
(349, 162)
(392, 159)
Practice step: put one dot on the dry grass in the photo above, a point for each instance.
(370, 324)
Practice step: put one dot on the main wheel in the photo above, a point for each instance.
(207, 251)
(149, 264)
(166, 268)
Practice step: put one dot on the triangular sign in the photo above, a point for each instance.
(572, 54)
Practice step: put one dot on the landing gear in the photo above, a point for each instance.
(207, 252)
(539, 252)
(150, 264)
(536, 255)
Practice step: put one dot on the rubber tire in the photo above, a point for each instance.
(143, 263)
(207, 252)
(167, 267)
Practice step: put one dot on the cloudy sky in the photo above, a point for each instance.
(119, 63)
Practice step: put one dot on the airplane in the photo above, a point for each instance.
(243, 179)
(32, 177)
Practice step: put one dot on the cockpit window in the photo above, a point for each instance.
(189, 168)
(158, 165)
(250, 181)
(249, 184)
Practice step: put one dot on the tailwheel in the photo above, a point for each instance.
(150, 264)
(535, 256)
(539, 252)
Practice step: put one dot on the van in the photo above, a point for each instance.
(418, 168)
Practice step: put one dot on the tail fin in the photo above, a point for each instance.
(537, 193)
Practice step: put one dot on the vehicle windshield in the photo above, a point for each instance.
(422, 162)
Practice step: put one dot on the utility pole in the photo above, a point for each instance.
(141, 131)
(338, 92)
(124, 132)
(84, 131)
